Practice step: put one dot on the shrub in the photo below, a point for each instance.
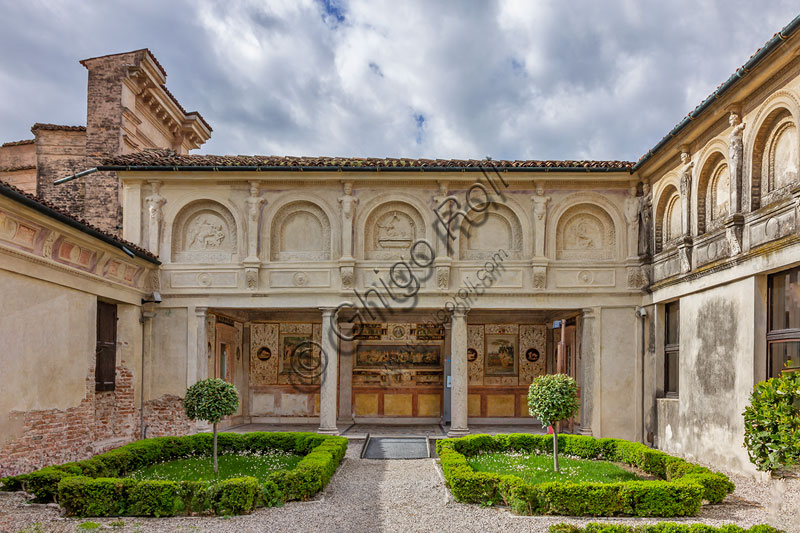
(772, 423)
(553, 398)
(95, 487)
(211, 400)
(235, 496)
(680, 492)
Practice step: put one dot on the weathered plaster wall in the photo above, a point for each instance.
(49, 411)
(43, 369)
(169, 353)
(618, 366)
(716, 375)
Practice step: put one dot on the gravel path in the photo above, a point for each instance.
(396, 496)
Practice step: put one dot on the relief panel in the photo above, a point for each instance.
(204, 279)
(204, 232)
(778, 224)
(391, 229)
(587, 277)
(299, 278)
(585, 231)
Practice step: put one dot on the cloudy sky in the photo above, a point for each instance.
(511, 79)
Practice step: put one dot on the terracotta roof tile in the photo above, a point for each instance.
(170, 158)
(56, 127)
(17, 143)
(86, 225)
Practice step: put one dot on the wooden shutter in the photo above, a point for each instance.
(106, 352)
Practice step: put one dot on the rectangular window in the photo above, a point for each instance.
(783, 322)
(672, 343)
(105, 369)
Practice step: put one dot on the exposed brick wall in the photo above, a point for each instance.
(165, 416)
(104, 109)
(100, 422)
(60, 153)
(115, 413)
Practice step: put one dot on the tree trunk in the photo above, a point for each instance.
(215, 450)
(555, 448)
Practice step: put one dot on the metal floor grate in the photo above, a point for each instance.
(396, 448)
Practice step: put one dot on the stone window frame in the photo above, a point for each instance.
(671, 349)
(783, 336)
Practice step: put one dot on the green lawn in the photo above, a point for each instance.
(232, 465)
(539, 468)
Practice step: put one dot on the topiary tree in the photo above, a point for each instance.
(772, 423)
(210, 400)
(553, 398)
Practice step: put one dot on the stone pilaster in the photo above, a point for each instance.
(459, 372)
(329, 379)
(197, 364)
(346, 356)
(587, 370)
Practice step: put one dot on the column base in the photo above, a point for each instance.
(328, 431)
(585, 431)
(456, 433)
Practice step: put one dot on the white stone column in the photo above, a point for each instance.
(330, 373)
(459, 373)
(587, 370)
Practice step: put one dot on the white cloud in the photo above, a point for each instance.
(511, 79)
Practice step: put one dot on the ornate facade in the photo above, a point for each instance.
(341, 290)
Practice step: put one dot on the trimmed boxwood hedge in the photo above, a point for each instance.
(661, 527)
(680, 491)
(98, 486)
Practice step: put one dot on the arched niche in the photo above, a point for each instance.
(668, 217)
(713, 192)
(586, 231)
(300, 231)
(486, 233)
(391, 229)
(204, 231)
(775, 154)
